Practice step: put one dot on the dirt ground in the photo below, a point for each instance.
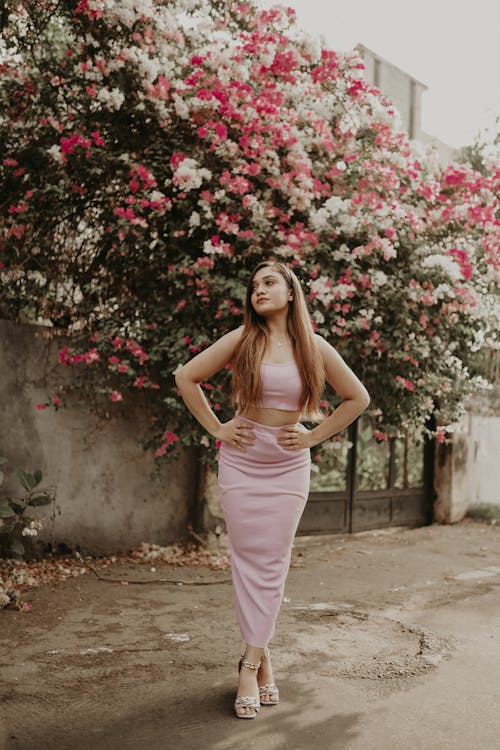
(388, 638)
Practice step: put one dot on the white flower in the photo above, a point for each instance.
(444, 262)
(55, 152)
(194, 219)
(32, 529)
(111, 99)
(341, 166)
(180, 106)
(319, 218)
(341, 290)
(157, 196)
(335, 204)
(348, 224)
(189, 176)
(379, 278)
(364, 313)
(322, 289)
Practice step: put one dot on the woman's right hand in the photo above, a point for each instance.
(236, 433)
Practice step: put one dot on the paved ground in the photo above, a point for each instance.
(387, 639)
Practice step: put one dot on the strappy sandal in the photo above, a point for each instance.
(247, 701)
(268, 694)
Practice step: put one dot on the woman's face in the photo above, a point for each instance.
(270, 292)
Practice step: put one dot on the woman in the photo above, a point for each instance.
(279, 367)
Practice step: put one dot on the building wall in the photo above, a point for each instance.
(484, 434)
(106, 500)
(467, 471)
(406, 92)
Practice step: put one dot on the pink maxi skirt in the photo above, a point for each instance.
(263, 492)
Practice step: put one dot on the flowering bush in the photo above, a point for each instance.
(15, 524)
(155, 151)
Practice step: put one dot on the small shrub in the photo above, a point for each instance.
(15, 523)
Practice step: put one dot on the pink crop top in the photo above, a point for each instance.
(281, 386)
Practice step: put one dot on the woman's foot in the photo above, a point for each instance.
(268, 692)
(247, 703)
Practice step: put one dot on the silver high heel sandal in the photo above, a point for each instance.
(268, 693)
(247, 701)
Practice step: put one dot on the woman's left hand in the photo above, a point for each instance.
(294, 437)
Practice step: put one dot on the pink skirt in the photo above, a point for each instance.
(263, 492)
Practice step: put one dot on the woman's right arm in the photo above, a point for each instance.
(201, 368)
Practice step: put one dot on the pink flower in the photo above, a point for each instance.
(116, 396)
(440, 434)
(63, 355)
(57, 401)
(405, 383)
(40, 407)
(113, 360)
(91, 356)
(170, 437)
(97, 138)
(17, 230)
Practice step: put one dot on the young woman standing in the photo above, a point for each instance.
(279, 368)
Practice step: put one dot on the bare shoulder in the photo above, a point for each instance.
(338, 373)
(235, 335)
(324, 346)
(328, 352)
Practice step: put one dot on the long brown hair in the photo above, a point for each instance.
(247, 385)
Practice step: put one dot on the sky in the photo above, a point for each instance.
(452, 46)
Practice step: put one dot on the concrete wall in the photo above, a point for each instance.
(485, 464)
(467, 472)
(106, 500)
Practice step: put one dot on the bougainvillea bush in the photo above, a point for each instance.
(153, 152)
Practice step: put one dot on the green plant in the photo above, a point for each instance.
(14, 521)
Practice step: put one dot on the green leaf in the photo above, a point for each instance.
(9, 524)
(41, 499)
(37, 476)
(18, 504)
(25, 479)
(6, 510)
(17, 547)
(1, 476)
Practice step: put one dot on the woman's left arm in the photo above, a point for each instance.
(348, 386)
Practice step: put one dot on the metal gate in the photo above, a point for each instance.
(374, 485)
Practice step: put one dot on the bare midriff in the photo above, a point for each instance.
(270, 417)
